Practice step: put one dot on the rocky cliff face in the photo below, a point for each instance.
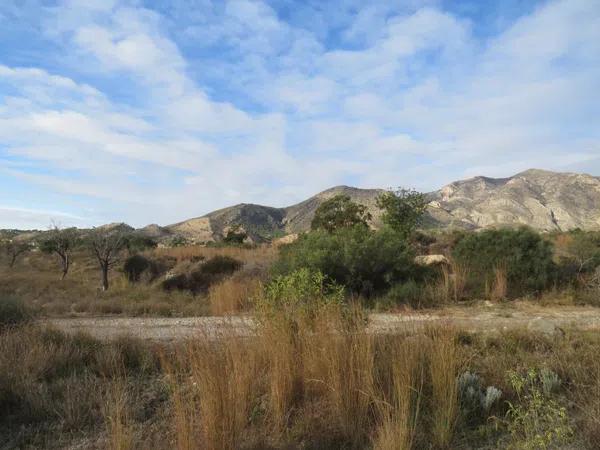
(541, 199)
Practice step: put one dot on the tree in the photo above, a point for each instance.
(403, 209)
(339, 212)
(235, 235)
(584, 250)
(13, 249)
(61, 242)
(135, 243)
(106, 247)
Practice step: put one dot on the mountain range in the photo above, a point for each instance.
(541, 199)
(544, 200)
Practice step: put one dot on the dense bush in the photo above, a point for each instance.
(135, 266)
(365, 261)
(13, 312)
(210, 272)
(522, 254)
(301, 294)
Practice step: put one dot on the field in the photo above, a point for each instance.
(292, 359)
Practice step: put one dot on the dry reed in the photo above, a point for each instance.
(443, 370)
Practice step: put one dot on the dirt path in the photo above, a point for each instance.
(487, 318)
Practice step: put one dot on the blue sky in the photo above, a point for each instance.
(158, 111)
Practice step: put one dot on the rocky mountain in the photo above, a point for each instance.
(541, 199)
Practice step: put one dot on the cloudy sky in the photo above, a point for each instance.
(158, 111)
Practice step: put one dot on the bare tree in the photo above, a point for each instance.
(61, 242)
(13, 249)
(106, 246)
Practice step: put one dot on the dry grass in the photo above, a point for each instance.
(400, 411)
(499, 290)
(233, 295)
(36, 279)
(259, 255)
(335, 386)
(117, 416)
(444, 362)
(215, 396)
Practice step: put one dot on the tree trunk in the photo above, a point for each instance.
(65, 265)
(105, 277)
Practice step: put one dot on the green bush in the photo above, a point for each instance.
(135, 266)
(523, 254)
(300, 294)
(13, 312)
(408, 293)
(365, 261)
(537, 421)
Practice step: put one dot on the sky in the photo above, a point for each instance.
(143, 111)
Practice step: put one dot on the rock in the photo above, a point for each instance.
(430, 260)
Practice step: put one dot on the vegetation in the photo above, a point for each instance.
(366, 262)
(61, 242)
(235, 236)
(297, 384)
(14, 248)
(106, 246)
(403, 210)
(13, 312)
(519, 261)
(340, 212)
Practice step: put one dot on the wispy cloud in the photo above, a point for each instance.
(158, 114)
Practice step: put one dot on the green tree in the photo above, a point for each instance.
(364, 261)
(403, 209)
(339, 212)
(61, 242)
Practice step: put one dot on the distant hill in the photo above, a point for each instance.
(541, 199)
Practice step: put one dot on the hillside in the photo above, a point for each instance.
(541, 199)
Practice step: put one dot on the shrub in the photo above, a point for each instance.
(135, 266)
(340, 212)
(476, 401)
(537, 421)
(221, 265)
(300, 294)
(365, 261)
(409, 293)
(525, 257)
(210, 272)
(13, 312)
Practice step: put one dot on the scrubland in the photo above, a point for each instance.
(311, 376)
(308, 379)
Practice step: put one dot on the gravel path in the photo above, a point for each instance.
(490, 318)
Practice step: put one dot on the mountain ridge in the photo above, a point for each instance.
(542, 199)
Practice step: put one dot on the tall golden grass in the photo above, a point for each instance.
(233, 295)
(444, 365)
(499, 289)
(214, 383)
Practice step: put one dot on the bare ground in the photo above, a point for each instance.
(484, 317)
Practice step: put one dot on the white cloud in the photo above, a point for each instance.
(418, 102)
